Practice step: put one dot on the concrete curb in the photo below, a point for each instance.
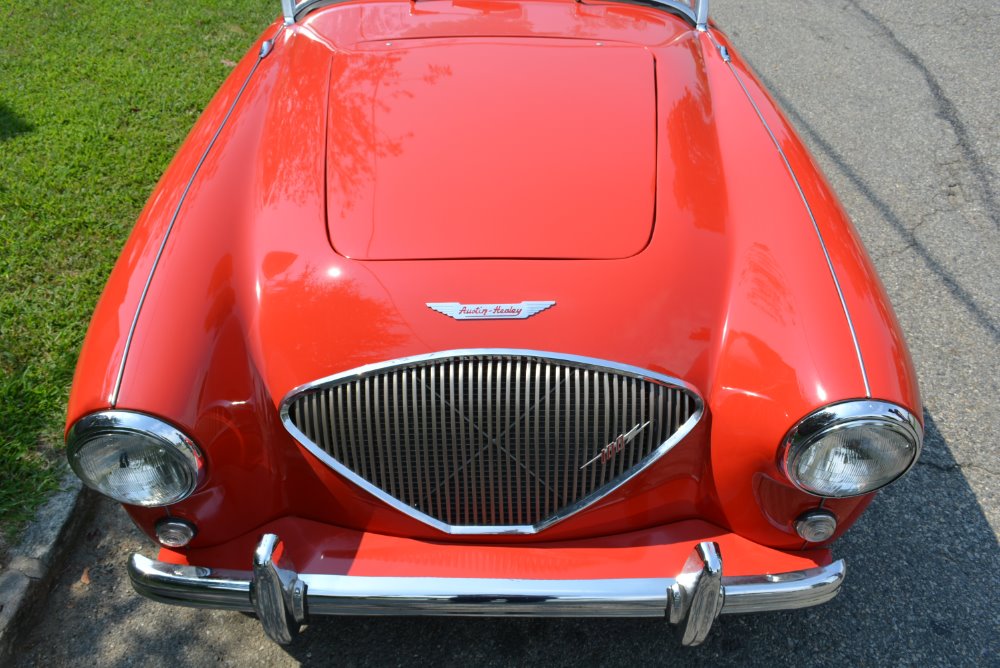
(26, 581)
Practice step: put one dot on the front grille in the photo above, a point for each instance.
(492, 439)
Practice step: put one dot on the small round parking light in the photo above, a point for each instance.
(173, 532)
(816, 526)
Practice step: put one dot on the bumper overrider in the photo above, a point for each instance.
(284, 599)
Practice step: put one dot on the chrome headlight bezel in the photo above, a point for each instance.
(845, 415)
(178, 446)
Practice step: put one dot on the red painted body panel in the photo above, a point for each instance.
(886, 357)
(653, 553)
(730, 290)
(97, 369)
(413, 122)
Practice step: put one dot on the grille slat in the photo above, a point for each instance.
(492, 440)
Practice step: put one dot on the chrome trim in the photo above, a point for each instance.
(812, 521)
(834, 417)
(174, 532)
(113, 400)
(691, 600)
(293, 10)
(701, 14)
(697, 14)
(96, 424)
(784, 591)
(363, 372)
(276, 593)
(518, 311)
(190, 586)
(812, 216)
(696, 597)
(288, 11)
(677, 7)
(611, 450)
(193, 586)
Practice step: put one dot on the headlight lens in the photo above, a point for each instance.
(134, 458)
(851, 448)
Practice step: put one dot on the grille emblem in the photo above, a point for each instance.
(609, 451)
(490, 311)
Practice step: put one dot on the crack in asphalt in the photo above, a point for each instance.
(913, 230)
(956, 467)
(946, 110)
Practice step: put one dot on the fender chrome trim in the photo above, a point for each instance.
(724, 53)
(266, 47)
(690, 600)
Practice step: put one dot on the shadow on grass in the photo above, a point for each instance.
(11, 124)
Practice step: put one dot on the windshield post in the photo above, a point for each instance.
(288, 9)
(701, 14)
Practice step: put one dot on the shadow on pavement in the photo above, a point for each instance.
(921, 568)
(917, 565)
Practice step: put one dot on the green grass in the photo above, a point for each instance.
(95, 98)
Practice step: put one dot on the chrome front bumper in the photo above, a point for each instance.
(283, 599)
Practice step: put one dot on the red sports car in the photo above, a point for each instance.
(493, 307)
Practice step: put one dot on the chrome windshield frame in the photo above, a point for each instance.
(696, 11)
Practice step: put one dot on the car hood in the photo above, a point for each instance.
(718, 275)
(732, 291)
(464, 148)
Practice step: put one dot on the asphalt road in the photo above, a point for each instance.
(898, 100)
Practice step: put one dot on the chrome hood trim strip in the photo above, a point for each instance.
(812, 217)
(265, 50)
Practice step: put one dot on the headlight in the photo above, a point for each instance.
(134, 458)
(851, 448)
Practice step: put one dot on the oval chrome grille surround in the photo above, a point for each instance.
(491, 441)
